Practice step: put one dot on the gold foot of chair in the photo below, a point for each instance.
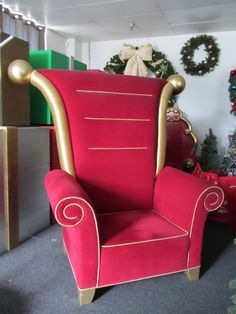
(192, 274)
(86, 296)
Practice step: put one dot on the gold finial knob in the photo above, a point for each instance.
(19, 71)
(178, 82)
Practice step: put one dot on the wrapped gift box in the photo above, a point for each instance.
(2, 213)
(14, 99)
(54, 159)
(78, 65)
(44, 59)
(25, 159)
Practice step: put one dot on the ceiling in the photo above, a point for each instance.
(95, 20)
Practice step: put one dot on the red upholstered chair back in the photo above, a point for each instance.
(113, 132)
(181, 141)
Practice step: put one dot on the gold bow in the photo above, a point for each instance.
(135, 57)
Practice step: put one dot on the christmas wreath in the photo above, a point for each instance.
(138, 60)
(205, 66)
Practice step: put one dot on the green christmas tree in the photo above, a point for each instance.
(209, 158)
(229, 161)
(232, 91)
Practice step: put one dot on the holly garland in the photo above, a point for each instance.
(232, 91)
(159, 65)
(206, 65)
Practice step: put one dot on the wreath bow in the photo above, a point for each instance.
(135, 57)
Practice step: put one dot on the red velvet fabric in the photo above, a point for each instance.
(179, 144)
(68, 187)
(130, 227)
(138, 244)
(186, 200)
(107, 174)
(82, 240)
(138, 261)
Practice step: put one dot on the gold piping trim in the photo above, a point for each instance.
(217, 197)
(198, 199)
(151, 240)
(117, 148)
(71, 218)
(98, 239)
(114, 213)
(10, 165)
(67, 198)
(142, 278)
(217, 187)
(171, 222)
(59, 117)
(118, 119)
(144, 241)
(151, 210)
(195, 208)
(112, 93)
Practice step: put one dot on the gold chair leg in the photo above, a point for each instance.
(192, 274)
(86, 296)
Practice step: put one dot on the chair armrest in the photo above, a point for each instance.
(178, 195)
(186, 200)
(73, 210)
(69, 201)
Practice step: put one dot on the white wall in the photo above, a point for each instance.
(74, 48)
(70, 47)
(205, 100)
(54, 41)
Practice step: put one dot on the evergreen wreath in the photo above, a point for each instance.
(160, 66)
(206, 65)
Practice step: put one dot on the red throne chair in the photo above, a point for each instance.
(124, 217)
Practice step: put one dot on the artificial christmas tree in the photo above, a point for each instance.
(209, 158)
(228, 167)
(232, 91)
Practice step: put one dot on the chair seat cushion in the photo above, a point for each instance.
(137, 244)
(133, 227)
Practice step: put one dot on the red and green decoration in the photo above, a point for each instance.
(208, 64)
(159, 65)
(228, 167)
(232, 91)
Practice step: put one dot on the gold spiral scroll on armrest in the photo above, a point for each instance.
(175, 85)
(21, 72)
